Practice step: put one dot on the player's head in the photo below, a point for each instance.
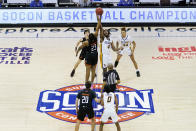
(123, 32)
(110, 66)
(106, 33)
(107, 89)
(86, 33)
(88, 85)
(92, 38)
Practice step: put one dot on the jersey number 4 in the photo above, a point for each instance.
(85, 99)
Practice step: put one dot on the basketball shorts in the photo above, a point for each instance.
(126, 50)
(83, 111)
(109, 113)
(91, 59)
(112, 88)
(106, 59)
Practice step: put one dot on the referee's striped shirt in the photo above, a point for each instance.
(111, 77)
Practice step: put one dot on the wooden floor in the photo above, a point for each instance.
(173, 81)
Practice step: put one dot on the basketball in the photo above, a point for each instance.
(99, 11)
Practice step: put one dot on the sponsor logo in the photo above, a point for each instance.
(15, 55)
(175, 53)
(60, 103)
(173, 30)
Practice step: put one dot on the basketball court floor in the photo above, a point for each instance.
(166, 57)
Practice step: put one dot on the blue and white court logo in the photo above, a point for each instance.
(60, 103)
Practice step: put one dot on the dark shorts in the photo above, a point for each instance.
(112, 87)
(85, 111)
(82, 54)
(91, 59)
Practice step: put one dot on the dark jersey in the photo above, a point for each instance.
(86, 96)
(110, 77)
(92, 44)
(92, 48)
(91, 51)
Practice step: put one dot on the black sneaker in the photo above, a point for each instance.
(138, 73)
(72, 73)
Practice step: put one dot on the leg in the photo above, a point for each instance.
(93, 124)
(105, 61)
(93, 68)
(75, 66)
(101, 126)
(134, 62)
(117, 60)
(88, 68)
(77, 125)
(135, 65)
(77, 63)
(118, 126)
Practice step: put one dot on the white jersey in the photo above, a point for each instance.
(109, 108)
(126, 44)
(106, 46)
(126, 41)
(108, 99)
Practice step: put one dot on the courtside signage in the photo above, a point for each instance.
(60, 103)
(176, 53)
(87, 15)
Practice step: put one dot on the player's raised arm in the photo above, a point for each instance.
(101, 34)
(98, 25)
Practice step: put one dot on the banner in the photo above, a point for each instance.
(87, 15)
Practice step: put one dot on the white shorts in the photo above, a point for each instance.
(106, 59)
(126, 50)
(109, 113)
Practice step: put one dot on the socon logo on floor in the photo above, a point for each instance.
(60, 103)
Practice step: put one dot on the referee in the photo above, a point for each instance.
(111, 78)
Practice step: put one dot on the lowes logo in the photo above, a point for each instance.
(60, 103)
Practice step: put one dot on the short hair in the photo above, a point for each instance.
(110, 66)
(86, 31)
(88, 84)
(123, 29)
(92, 38)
